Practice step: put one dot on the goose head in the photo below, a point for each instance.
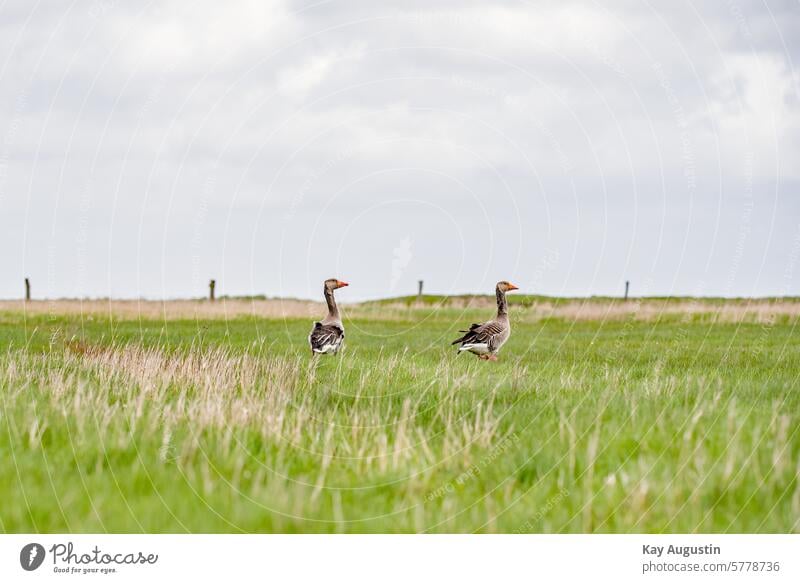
(506, 286)
(333, 283)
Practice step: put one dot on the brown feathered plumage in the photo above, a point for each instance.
(485, 340)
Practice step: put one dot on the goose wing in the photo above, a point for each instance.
(488, 333)
(325, 337)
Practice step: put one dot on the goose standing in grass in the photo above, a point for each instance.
(484, 340)
(327, 336)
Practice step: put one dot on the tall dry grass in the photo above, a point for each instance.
(216, 389)
(165, 310)
(646, 310)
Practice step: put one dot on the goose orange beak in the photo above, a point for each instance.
(342, 283)
(512, 287)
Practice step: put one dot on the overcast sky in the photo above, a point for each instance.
(564, 146)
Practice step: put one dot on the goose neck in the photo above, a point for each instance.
(333, 309)
(502, 304)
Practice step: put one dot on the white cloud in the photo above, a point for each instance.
(601, 127)
(297, 81)
(195, 35)
(755, 109)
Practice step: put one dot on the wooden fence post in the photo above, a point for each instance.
(419, 293)
(627, 284)
(27, 289)
(211, 285)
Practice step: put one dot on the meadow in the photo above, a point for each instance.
(655, 415)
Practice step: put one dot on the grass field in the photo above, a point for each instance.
(601, 417)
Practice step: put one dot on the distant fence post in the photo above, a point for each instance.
(419, 293)
(27, 289)
(627, 285)
(211, 285)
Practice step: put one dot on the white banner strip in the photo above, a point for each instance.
(400, 558)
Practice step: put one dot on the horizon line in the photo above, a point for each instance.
(265, 297)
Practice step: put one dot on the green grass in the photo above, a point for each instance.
(228, 426)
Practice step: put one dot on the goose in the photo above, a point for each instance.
(326, 337)
(484, 340)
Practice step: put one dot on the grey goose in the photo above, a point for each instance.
(484, 340)
(327, 336)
